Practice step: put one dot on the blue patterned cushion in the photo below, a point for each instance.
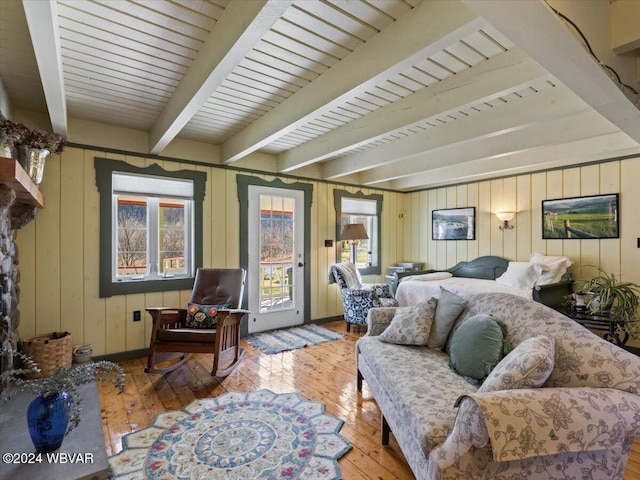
(203, 316)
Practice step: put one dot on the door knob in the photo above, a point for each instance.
(300, 264)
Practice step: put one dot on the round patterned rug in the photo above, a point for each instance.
(238, 435)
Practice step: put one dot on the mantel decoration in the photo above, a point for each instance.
(608, 296)
(32, 146)
(56, 409)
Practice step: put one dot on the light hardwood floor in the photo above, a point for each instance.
(323, 373)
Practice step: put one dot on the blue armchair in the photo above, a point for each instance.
(359, 297)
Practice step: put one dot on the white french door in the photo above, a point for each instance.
(276, 258)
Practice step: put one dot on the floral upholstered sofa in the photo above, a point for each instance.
(579, 421)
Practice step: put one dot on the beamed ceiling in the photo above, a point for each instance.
(400, 94)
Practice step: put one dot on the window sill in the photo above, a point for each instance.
(130, 287)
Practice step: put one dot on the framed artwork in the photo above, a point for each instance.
(594, 216)
(454, 224)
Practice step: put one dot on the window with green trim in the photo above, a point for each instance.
(366, 210)
(150, 227)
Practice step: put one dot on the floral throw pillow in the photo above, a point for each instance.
(529, 365)
(411, 325)
(203, 316)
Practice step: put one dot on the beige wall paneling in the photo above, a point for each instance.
(428, 247)
(554, 190)
(94, 306)
(509, 204)
(589, 249)
(523, 218)
(71, 220)
(497, 204)
(610, 247)
(571, 188)
(462, 253)
(630, 223)
(47, 258)
(321, 257)
(485, 219)
(152, 299)
(391, 248)
(538, 193)
(334, 300)
(472, 201)
(217, 199)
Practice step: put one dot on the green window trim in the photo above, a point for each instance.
(338, 195)
(104, 173)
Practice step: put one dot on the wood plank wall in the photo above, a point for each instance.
(524, 194)
(59, 253)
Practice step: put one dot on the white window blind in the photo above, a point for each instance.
(151, 186)
(355, 206)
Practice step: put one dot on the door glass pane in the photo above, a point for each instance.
(171, 237)
(276, 252)
(131, 235)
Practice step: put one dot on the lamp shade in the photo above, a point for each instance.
(354, 231)
(505, 216)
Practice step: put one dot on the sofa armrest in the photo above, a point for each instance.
(378, 319)
(382, 290)
(546, 421)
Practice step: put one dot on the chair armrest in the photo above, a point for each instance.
(378, 319)
(382, 290)
(545, 421)
(167, 315)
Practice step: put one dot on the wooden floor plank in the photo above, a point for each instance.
(324, 373)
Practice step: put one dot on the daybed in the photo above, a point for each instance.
(579, 424)
(479, 276)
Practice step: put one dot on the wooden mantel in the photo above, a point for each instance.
(13, 175)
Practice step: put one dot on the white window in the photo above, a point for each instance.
(152, 233)
(366, 210)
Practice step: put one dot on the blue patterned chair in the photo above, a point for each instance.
(359, 297)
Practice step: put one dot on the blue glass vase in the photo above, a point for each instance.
(47, 418)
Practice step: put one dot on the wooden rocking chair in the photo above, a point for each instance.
(172, 339)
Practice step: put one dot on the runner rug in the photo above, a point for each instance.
(238, 435)
(292, 338)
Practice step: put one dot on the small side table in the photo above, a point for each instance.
(600, 323)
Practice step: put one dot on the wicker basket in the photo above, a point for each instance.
(50, 352)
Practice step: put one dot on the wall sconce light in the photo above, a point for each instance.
(505, 218)
(354, 232)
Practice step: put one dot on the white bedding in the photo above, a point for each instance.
(411, 292)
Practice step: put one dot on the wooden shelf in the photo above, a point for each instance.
(13, 175)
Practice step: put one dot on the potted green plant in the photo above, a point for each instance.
(611, 297)
(56, 409)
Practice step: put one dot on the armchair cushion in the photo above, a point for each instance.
(410, 325)
(527, 366)
(346, 275)
(203, 316)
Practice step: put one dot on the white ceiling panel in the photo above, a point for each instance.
(386, 91)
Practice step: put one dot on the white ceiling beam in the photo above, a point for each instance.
(489, 79)
(517, 114)
(550, 42)
(427, 29)
(237, 31)
(556, 156)
(584, 125)
(42, 20)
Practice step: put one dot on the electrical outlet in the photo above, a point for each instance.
(136, 315)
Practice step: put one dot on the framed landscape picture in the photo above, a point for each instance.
(454, 224)
(595, 216)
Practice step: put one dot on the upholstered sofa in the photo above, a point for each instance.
(579, 423)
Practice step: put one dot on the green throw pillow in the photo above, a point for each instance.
(476, 347)
(449, 308)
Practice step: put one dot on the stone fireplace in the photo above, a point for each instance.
(13, 216)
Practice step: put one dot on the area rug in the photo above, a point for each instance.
(292, 338)
(238, 435)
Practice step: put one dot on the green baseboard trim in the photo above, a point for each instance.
(327, 319)
(121, 356)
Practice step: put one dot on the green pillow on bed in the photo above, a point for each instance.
(449, 308)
